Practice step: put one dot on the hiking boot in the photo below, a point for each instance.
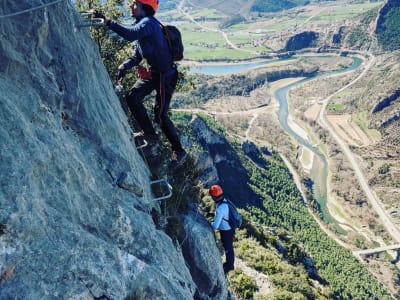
(177, 158)
(227, 268)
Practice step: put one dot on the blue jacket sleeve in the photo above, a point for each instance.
(134, 60)
(218, 219)
(221, 214)
(132, 33)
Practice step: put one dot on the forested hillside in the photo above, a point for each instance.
(388, 26)
(283, 208)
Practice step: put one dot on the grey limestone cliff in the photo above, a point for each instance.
(75, 198)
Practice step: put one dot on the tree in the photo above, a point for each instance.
(113, 49)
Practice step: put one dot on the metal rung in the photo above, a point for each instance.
(88, 21)
(143, 145)
(162, 181)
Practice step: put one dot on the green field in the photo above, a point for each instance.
(345, 11)
(361, 119)
(203, 42)
(336, 107)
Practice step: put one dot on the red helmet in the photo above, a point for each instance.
(215, 191)
(152, 3)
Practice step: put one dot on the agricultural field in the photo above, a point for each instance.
(350, 131)
(205, 31)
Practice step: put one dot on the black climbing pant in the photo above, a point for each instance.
(164, 84)
(227, 237)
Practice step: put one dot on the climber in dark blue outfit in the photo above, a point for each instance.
(162, 76)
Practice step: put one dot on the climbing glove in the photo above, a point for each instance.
(120, 75)
(98, 15)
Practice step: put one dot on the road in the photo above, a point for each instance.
(231, 45)
(376, 250)
(392, 229)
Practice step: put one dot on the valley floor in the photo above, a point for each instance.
(256, 123)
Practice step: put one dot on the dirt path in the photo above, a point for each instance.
(255, 116)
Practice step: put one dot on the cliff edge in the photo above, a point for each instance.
(75, 198)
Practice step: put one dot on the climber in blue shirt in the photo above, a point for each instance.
(221, 222)
(161, 74)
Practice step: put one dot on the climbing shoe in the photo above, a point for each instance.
(177, 158)
(227, 268)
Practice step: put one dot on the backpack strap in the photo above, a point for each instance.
(165, 31)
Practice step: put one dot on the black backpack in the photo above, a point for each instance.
(235, 218)
(174, 40)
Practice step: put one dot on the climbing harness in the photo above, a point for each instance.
(88, 21)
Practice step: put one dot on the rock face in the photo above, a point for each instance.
(301, 40)
(222, 165)
(75, 196)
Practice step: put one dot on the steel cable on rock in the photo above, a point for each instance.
(30, 9)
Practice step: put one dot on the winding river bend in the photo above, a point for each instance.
(319, 170)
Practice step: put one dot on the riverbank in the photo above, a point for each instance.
(197, 63)
(270, 57)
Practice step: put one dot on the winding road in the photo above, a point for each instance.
(386, 220)
(392, 229)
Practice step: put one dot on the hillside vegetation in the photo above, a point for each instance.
(274, 6)
(365, 115)
(388, 31)
(282, 208)
(211, 87)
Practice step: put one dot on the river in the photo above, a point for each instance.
(232, 68)
(319, 170)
